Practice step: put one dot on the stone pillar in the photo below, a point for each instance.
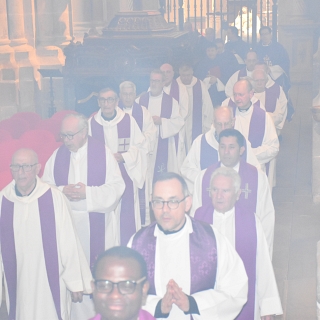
(8, 69)
(296, 35)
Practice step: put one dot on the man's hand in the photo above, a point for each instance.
(119, 157)
(270, 317)
(178, 297)
(213, 80)
(166, 302)
(76, 296)
(75, 192)
(156, 120)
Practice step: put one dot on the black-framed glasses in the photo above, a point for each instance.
(104, 100)
(69, 136)
(25, 167)
(172, 204)
(124, 287)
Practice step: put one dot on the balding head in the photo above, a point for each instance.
(251, 60)
(24, 168)
(223, 118)
(260, 79)
(168, 72)
(242, 94)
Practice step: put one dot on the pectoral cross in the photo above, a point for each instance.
(246, 191)
(123, 144)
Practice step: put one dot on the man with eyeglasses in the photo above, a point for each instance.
(89, 176)
(169, 149)
(43, 264)
(120, 285)
(121, 134)
(193, 271)
(243, 229)
(255, 196)
(204, 150)
(145, 122)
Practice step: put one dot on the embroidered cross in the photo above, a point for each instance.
(161, 168)
(123, 144)
(246, 191)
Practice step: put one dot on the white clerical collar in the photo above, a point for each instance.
(226, 214)
(186, 228)
(155, 97)
(236, 167)
(77, 154)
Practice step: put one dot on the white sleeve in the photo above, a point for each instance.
(183, 101)
(105, 198)
(197, 193)
(270, 144)
(229, 295)
(280, 113)
(265, 209)
(230, 83)
(149, 129)
(173, 125)
(207, 110)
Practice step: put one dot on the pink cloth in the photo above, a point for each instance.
(143, 315)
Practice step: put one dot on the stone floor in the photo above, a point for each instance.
(297, 218)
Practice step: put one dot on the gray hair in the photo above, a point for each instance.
(127, 84)
(247, 82)
(83, 121)
(229, 173)
(104, 90)
(265, 75)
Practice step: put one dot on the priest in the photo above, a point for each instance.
(204, 150)
(145, 123)
(200, 107)
(169, 150)
(244, 231)
(43, 264)
(254, 183)
(193, 271)
(87, 173)
(121, 134)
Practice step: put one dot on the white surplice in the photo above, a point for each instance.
(280, 113)
(207, 110)
(264, 209)
(172, 261)
(34, 297)
(135, 157)
(103, 199)
(232, 81)
(191, 166)
(267, 300)
(168, 129)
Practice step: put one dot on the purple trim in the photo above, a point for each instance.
(96, 173)
(242, 73)
(49, 242)
(144, 99)
(272, 95)
(174, 90)
(197, 110)
(127, 217)
(8, 250)
(208, 154)
(137, 114)
(203, 255)
(97, 130)
(143, 204)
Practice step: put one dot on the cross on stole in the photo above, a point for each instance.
(246, 191)
(124, 144)
(161, 168)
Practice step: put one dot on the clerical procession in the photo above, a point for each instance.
(159, 204)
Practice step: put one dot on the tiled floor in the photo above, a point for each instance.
(297, 218)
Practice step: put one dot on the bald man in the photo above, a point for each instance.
(42, 260)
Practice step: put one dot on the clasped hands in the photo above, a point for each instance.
(174, 295)
(75, 192)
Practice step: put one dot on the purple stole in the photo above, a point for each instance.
(203, 255)
(208, 155)
(257, 124)
(272, 94)
(143, 315)
(49, 243)
(137, 114)
(174, 90)
(127, 217)
(161, 164)
(197, 110)
(242, 73)
(96, 174)
(246, 234)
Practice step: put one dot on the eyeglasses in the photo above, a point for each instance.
(25, 167)
(172, 204)
(124, 287)
(104, 100)
(69, 136)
